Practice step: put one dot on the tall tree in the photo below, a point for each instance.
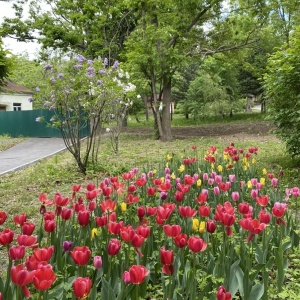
(6, 64)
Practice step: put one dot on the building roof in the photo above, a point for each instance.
(14, 88)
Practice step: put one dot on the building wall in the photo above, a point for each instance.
(7, 101)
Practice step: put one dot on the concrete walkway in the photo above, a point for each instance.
(28, 152)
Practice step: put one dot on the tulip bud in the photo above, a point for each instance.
(97, 262)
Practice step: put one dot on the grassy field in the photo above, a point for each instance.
(19, 191)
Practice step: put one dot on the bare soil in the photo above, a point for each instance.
(258, 130)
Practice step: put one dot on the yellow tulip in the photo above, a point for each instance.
(123, 206)
(262, 181)
(220, 168)
(181, 168)
(202, 227)
(264, 171)
(195, 224)
(173, 176)
(249, 184)
(94, 233)
(169, 157)
(199, 182)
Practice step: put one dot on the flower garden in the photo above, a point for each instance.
(210, 226)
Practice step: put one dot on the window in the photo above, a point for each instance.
(17, 106)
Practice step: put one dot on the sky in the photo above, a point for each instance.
(11, 44)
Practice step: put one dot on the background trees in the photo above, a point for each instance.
(193, 52)
(283, 92)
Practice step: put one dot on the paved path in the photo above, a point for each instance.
(28, 152)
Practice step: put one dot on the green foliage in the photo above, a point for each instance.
(282, 90)
(6, 64)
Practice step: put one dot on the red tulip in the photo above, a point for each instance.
(20, 219)
(141, 181)
(43, 198)
(32, 263)
(16, 252)
(49, 216)
(27, 240)
(6, 237)
(180, 240)
(90, 186)
(81, 255)
(168, 269)
(43, 254)
(201, 199)
(82, 287)
(151, 191)
(211, 226)
(115, 227)
(83, 217)
(136, 274)
(114, 247)
(178, 196)
(20, 276)
(279, 209)
(204, 211)
(3, 217)
(264, 217)
(101, 221)
(137, 241)
(66, 213)
(262, 201)
(144, 231)
(49, 225)
(166, 256)
(222, 294)
(151, 211)
(43, 277)
(28, 228)
(243, 207)
(90, 195)
(59, 200)
(106, 190)
(127, 233)
(172, 230)
(141, 211)
(187, 211)
(196, 244)
(108, 206)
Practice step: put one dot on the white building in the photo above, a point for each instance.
(14, 97)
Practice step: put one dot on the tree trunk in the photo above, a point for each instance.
(248, 104)
(166, 112)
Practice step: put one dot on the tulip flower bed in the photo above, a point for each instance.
(213, 227)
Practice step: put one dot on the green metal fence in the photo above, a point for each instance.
(23, 123)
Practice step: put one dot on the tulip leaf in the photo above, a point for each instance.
(107, 291)
(286, 246)
(294, 238)
(1, 285)
(256, 292)
(233, 282)
(240, 276)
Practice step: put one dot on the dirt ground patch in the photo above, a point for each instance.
(259, 131)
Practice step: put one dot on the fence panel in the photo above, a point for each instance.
(23, 123)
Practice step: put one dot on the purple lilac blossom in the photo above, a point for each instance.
(47, 103)
(105, 61)
(116, 64)
(52, 80)
(102, 71)
(81, 59)
(90, 72)
(37, 89)
(90, 62)
(78, 66)
(47, 67)
(60, 75)
(99, 82)
(30, 99)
